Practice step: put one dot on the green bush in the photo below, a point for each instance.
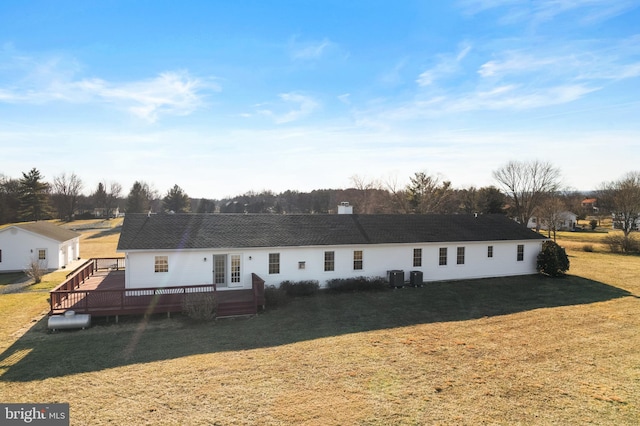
(300, 288)
(552, 260)
(343, 285)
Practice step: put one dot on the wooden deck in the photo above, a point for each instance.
(103, 293)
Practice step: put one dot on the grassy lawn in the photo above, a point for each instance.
(524, 350)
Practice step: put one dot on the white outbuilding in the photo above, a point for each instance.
(53, 246)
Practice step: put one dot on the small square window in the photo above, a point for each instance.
(161, 264)
(302, 265)
(42, 254)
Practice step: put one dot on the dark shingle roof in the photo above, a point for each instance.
(198, 231)
(47, 230)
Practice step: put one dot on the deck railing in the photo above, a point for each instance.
(101, 264)
(75, 278)
(126, 301)
(257, 285)
(68, 295)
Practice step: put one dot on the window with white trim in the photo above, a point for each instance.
(329, 261)
(357, 259)
(161, 264)
(442, 256)
(274, 263)
(235, 268)
(460, 256)
(490, 251)
(417, 257)
(520, 252)
(42, 254)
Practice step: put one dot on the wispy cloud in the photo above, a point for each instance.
(300, 50)
(573, 61)
(305, 105)
(515, 79)
(518, 11)
(447, 65)
(170, 93)
(56, 79)
(309, 50)
(519, 98)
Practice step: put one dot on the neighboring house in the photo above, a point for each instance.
(617, 222)
(101, 212)
(225, 249)
(566, 221)
(590, 205)
(53, 246)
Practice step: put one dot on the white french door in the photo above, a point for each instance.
(227, 270)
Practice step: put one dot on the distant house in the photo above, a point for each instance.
(101, 212)
(590, 205)
(618, 220)
(53, 246)
(226, 249)
(565, 221)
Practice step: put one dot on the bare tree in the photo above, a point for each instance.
(550, 212)
(622, 199)
(115, 192)
(9, 199)
(527, 184)
(398, 195)
(35, 270)
(366, 191)
(66, 191)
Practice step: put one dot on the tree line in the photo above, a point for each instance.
(524, 189)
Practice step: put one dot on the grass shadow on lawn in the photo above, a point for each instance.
(105, 233)
(39, 355)
(11, 277)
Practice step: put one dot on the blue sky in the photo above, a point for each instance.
(227, 97)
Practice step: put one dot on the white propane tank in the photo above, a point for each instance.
(69, 320)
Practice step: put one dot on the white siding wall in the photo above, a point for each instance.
(190, 268)
(19, 247)
(185, 268)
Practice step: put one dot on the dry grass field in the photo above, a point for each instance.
(526, 350)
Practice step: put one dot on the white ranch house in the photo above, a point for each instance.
(565, 221)
(226, 249)
(54, 247)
